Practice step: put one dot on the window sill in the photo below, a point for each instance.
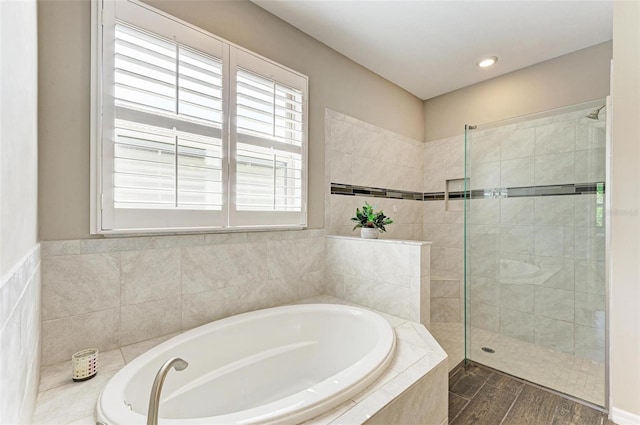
(194, 230)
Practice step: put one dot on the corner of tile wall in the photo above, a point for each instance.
(443, 220)
(425, 402)
(361, 154)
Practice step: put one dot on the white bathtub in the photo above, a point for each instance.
(282, 365)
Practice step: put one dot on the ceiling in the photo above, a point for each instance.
(433, 47)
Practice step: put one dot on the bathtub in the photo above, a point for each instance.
(281, 365)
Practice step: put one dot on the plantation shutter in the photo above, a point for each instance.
(195, 133)
(268, 144)
(168, 142)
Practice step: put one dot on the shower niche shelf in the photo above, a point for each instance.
(454, 194)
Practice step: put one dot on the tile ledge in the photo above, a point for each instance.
(391, 241)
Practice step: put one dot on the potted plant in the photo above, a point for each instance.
(370, 222)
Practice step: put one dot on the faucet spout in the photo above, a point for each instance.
(154, 400)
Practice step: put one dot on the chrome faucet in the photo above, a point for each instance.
(154, 400)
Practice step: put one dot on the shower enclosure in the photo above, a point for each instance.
(535, 222)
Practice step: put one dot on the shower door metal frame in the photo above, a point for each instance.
(607, 260)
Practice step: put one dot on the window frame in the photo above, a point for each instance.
(102, 217)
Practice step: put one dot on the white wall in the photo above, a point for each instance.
(19, 251)
(625, 216)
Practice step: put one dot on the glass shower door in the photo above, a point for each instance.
(535, 249)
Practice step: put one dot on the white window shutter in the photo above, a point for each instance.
(168, 142)
(268, 143)
(196, 133)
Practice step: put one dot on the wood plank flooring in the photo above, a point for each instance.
(481, 396)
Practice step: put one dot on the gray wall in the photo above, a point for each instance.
(567, 80)
(335, 82)
(20, 285)
(624, 216)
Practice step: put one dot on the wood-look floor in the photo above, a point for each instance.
(481, 396)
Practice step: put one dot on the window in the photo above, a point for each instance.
(190, 131)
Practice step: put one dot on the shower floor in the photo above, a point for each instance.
(566, 373)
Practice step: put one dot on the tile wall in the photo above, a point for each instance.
(20, 340)
(361, 154)
(443, 221)
(389, 276)
(447, 300)
(536, 262)
(113, 292)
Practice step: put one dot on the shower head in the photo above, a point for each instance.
(594, 114)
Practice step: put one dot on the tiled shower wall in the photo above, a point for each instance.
(113, 292)
(444, 220)
(361, 154)
(536, 262)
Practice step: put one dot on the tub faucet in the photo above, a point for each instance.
(154, 400)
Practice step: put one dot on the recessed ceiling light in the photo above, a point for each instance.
(488, 61)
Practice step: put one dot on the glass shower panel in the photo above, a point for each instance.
(535, 249)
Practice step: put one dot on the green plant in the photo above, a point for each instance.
(367, 217)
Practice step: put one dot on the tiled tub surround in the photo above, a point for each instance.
(114, 292)
(386, 275)
(361, 154)
(20, 339)
(413, 390)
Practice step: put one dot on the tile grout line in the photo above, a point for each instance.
(468, 402)
(472, 397)
(512, 404)
(461, 410)
(479, 389)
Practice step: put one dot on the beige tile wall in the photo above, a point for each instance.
(113, 292)
(389, 276)
(444, 220)
(362, 154)
(446, 300)
(426, 402)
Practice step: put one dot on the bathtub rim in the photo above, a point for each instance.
(316, 408)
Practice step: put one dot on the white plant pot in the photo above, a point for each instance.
(369, 233)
